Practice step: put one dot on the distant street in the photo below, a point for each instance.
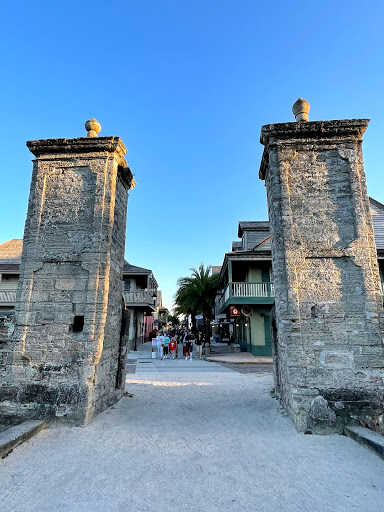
(145, 364)
(190, 436)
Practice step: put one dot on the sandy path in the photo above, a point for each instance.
(206, 442)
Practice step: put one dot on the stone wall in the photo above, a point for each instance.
(327, 328)
(110, 372)
(65, 354)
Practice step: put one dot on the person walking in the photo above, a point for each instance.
(166, 346)
(159, 343)
(189, 339)
(184, 341)
(154, 348)
(199, 345)
(173, 347)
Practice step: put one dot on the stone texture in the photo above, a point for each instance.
(64, 358)
(328, 304)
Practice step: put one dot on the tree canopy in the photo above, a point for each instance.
(196, 295)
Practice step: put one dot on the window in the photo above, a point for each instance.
(78, 324)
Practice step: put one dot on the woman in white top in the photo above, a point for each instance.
(159, 343)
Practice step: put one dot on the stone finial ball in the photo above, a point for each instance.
(93, 127)
(300, 109)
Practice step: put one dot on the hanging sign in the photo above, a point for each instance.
(246, 310)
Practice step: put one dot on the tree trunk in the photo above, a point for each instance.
(193, 320)
(207, 326)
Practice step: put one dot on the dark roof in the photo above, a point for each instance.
(237, 246)
(9, 269)
(132, 268)
(377, 210)
(256, 225)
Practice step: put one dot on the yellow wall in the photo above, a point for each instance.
(257, 325)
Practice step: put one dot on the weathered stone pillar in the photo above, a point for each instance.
(328, 341)
(66, 352)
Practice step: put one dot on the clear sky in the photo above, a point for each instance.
(187, 85)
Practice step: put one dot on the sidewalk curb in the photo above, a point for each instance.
(16, 435)
(238, 359)
(367, 438)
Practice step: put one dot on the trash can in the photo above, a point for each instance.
(207, 350)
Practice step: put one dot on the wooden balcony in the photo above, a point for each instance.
(251, 293)
(7, 297)
(142, 298)
(247, 293)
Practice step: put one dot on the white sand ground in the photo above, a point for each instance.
(191, 442)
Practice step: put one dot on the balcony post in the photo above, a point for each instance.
(230, 277)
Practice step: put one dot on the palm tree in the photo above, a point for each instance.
(196, 294)
(174, 319)
(184, 303)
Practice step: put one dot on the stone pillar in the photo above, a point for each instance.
(66, 350)
(328, 341)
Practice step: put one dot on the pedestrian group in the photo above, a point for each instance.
(166, 343)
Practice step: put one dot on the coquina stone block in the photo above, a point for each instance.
(327, 331)
(67, 351)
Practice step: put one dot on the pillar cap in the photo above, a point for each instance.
(300, 109)
(298, 136)
(48, 147)
(93, 127)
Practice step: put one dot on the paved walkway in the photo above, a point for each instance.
(145, 364)
(240, 358)
(207, 441)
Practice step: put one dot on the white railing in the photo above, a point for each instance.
(252, 290)
(246, 290)
(139, 296)
(8, 296)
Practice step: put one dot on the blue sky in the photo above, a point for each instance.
(187, 86)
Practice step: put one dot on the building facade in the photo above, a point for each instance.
(10, 257)
(140, 297)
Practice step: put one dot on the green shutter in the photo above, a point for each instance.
(265, 276)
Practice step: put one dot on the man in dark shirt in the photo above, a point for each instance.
(189, 339)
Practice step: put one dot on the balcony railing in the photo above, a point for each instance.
(139, 297)
(7, 296)
(252, 291)
(247, 291)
